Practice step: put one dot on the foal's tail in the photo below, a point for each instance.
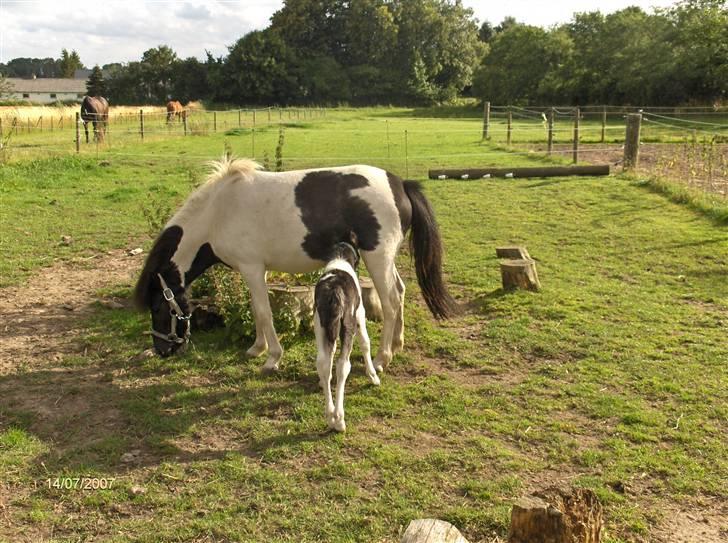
(426, 246)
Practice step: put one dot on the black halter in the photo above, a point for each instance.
(177, 314)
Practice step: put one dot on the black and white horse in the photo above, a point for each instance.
(339, 314)
(254, 221)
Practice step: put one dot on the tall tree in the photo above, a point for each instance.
(95, 85)
(69, 63)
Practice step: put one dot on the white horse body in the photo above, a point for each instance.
(255, 221)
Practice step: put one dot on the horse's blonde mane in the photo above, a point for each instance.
(229, 166)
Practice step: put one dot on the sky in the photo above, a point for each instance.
(105, 31)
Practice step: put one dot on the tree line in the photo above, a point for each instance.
(413, 52)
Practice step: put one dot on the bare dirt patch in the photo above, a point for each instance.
(43, 317)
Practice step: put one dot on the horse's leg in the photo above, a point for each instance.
(398, 334)
(381, 268)
(85, 129)
(255, 277)
(260, 345)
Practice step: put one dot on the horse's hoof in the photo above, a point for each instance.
(269, 370)
(337, 425)
(255, 351)
(375, 380)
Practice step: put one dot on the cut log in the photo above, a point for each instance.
(557, 516)
(515, 252)
(431, 530)
(297, 299)
(519, 273)
(372, 304)
(540, 171)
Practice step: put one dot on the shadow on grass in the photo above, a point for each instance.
(90, 415)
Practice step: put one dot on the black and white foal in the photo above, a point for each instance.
(339, 313)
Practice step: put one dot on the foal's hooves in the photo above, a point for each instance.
(269, 370)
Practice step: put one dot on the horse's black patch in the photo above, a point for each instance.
(330, 212)
(159, 261)
(204, 258)
(336, 299)
(404, 206)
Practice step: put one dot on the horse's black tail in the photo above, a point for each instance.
(426, 246)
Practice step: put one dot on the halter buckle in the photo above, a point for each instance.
(168, 294)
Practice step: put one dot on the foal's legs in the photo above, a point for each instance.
(343, 367)
(324, 363)
(381, 268)
(255, 277)
(365, 345)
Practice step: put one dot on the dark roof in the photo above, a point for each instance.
(47, 84)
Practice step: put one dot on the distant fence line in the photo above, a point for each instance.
(599, 133)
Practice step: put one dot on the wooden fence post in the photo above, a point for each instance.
(78, 132)
(252, 143)
(214, 121)
(240, 119)
(184, 121)
(268, 115)
(632, 141)
(550, 140)
(28, 125)
(253, 118)
(486, 120)
(406, 157)
(604, 123)
(141, 124)
(41, 123)
(509, 128)
(576, 135)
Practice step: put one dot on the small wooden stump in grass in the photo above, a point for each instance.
(372, 304)
(519, 274)
(557, 516)
(515, 252)
(431, 530)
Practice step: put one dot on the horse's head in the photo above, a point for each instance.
(170, 318)
(161, 290)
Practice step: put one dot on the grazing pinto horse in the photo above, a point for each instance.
(339, 313)
(174, 108)
(95, 109)
(255, 221)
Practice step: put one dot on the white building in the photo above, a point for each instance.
(47, 90)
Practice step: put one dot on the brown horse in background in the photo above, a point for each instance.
(174, 108)
(95, 109)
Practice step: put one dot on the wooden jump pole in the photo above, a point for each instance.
(632, 141)
(141, 124)
(539, 171)
(486, 120)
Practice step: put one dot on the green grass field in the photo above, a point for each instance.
(613, 377)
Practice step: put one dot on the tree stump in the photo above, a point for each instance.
(431, 530)
(557, 516)
(515, 252)
(519, 274)
(296, 298)
(372, 304)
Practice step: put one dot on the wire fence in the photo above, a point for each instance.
(687, 145)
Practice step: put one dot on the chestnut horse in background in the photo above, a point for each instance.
(174, 108)
(95, 109)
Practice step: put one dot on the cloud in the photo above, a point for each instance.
(188, 11)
